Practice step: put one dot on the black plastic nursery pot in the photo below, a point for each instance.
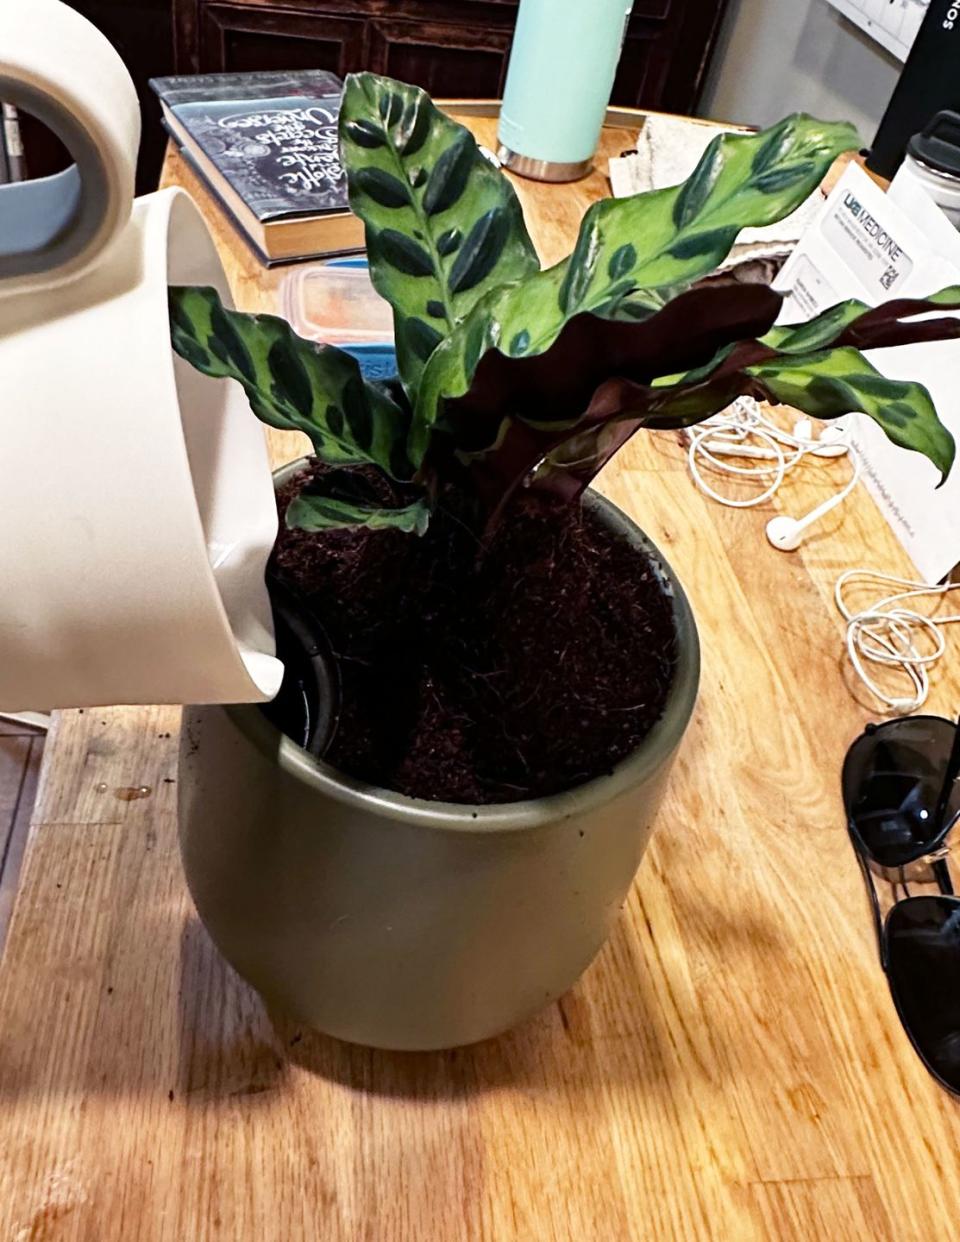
(402, 923)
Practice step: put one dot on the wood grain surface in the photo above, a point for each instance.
(730, 1067)
(21, 750)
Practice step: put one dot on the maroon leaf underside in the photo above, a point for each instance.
(883, 326)
(572, 380)
(557, 385)
(879, 328)
(570, 383)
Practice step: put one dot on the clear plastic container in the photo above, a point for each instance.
(335, 303)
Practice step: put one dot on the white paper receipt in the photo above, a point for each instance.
(882, 259)
(874, 246)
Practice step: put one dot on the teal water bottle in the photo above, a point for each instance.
(562, 66)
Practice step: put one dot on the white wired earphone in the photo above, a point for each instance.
(888, 632)
(744, 431)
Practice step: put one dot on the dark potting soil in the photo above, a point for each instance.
(514, 675)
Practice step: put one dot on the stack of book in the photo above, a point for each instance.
(266, 145)
(13, 166)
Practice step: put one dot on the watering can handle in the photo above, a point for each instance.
(57, 66)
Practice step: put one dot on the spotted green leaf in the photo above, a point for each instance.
(562, 414)
(634, 254)
(854, 323)
(818, 368)
(341, 499)
(443, 226)
(291, 383)
(826, 384)
(841, 381)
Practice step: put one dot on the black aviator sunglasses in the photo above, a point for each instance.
(902, 800)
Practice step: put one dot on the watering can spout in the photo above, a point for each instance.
(137, 500)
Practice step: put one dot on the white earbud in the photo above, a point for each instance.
(786, 533)
(802, 429)
(831, 443)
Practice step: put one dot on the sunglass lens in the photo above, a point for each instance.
(892, 780)
(923, 966)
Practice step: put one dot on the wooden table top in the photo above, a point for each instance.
(730, 1067)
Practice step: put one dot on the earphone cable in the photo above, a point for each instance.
(733, 433)
(889, 634)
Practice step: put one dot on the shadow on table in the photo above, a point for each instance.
(611, 1028)
(201, 1036)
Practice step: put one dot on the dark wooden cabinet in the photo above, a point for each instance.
(142, 32)
(453, 48)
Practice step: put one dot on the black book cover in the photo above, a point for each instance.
(273, 136)
(929, 83)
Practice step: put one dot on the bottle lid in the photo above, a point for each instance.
(938, 147)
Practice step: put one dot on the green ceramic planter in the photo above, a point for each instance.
(399, 923)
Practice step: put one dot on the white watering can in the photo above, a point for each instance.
(136, 507)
